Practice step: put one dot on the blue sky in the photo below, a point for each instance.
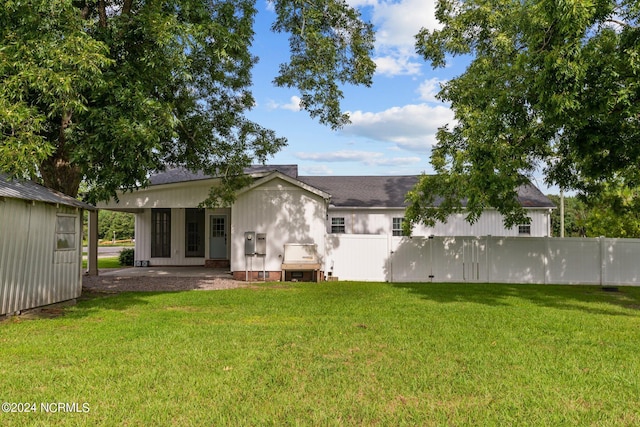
(393, 123)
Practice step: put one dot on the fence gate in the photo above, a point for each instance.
(473, 260)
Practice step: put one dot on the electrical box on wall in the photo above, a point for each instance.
(249, 242)
(261, 243)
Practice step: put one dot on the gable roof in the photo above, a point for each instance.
(175, 175)
(390, 191)
(29, 190)
(349, 191)
(277, 174)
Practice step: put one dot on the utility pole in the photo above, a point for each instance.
(561, 213)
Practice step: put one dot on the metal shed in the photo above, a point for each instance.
(40, 246)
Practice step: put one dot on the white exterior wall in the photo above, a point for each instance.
(32, 272)
(285, 212)
(143, 235)
(379, 221)
(180, 195)
(178, 238)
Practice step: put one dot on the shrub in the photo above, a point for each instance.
(126, 257)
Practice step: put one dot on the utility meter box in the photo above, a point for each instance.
(249, 242)
(261, 243)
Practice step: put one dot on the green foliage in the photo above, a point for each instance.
(575, 217)
(614, 213)
(109, 91)
(329, 46)
(550, 82)
(48, 63)
(123, 224)
(126, 257)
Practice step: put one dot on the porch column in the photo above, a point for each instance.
(92, 244)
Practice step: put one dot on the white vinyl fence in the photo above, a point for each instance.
(598, 261)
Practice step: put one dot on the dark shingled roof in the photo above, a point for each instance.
(29, 190)
(175, 175)
(364, 191)
(351, 191)
(390, 191)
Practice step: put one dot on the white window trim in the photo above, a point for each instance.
(343, 225)
(74, 233)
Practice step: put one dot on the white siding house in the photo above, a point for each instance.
(40, 246)
(289, 209)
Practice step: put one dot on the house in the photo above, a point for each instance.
(282, 210)
(40, 246)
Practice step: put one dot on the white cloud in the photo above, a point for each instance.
(321, 170)
(368, 158)
(362, 3)
(429, 89)
(396, 65)
(270, 5)
(399, 22)
(293, 105)
(412, 127)
(396, 24)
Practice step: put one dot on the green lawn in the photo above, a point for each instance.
(105, 262)
(333, 354)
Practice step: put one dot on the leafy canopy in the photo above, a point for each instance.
(108, 91)
(551, 83)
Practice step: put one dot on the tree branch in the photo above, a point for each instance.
(620, 23)
(102, 13)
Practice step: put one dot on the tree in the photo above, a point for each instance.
(551, 84)
(108, 91)
(122, 223)
(615, 212)
(575, 217)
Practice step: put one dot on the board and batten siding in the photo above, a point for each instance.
(33, 272)
(285, 212)
(179, 195)
(379, 221)
(178, 238)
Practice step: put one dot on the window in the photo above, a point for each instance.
(524, 230)
(160, 233)
(65, 232)
(397, 227)
(194, 233)
(337, 225)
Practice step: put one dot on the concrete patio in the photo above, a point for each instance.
(200, 272)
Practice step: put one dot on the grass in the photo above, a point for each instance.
(105, 262)
(333, 354)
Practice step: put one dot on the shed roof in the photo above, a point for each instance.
(390, 191)
(29, 190)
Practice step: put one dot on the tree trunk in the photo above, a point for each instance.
(59, 174)
(57, 171)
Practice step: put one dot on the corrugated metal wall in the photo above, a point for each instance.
(484, 259)
(32, 272)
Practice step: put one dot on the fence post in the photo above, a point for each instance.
(603, 260)
(545, 260)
